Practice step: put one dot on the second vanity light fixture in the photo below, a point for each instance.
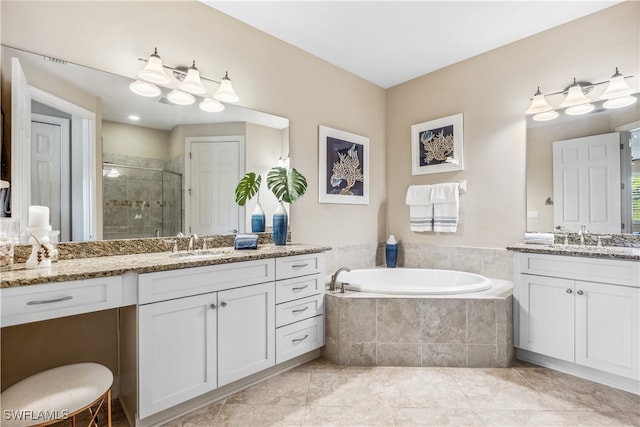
(189, 84)
(617, 95)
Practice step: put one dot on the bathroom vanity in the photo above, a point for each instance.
(578, 311)
(192, 329)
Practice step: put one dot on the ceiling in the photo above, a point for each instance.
(391, 42)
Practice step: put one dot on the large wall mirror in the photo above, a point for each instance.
(112, 164)
(561, 197)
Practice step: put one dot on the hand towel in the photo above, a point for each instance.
(420, 208)
(446, 201)
(539, 238)
(246, 241)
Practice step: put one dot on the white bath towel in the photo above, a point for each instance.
(446, 202)
(420, 208)
(539, 238)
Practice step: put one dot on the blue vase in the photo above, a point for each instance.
(391, 255)
(280, 225)
(257, 220)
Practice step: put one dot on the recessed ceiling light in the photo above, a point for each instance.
(134, 117)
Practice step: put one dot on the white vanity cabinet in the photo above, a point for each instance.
(300, 305)
(217, 329)
(579, 315)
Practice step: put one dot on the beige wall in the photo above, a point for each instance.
(122, 138)
(268, 75)
(493, 91)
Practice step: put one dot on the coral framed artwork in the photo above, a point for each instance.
(343, 167)
(436, 146)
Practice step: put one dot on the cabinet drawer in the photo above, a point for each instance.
(299, 265)
(48, 301)
(619, 272)
(301, 287)
(299, 338)
(290, 312)
(165, 285)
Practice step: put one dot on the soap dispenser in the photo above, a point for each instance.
(391, 252)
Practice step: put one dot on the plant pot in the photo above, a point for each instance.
(280, 225)
(257, 219)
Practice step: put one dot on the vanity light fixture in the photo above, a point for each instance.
(617, 95)
(181, 98)
(154, 71)
(192, 82)
(189, 83)
(576, 102)
(142, 88)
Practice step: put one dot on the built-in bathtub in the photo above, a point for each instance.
(419, 317)
(414, 281)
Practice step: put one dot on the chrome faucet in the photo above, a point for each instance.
(581, 233)
(334, 277)
(192, 238)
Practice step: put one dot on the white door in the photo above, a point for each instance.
(547, 316)
(177, 351)
(586, 183)
(246, 331)
(50, 170)
(215, 172)
(607, 328)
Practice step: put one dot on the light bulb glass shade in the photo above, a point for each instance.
(192, 82)
(617, 87)
(575, 96)
(576, 110)
(181, 98)
(140, 87)
(539, 104)
(225, 92)
(620, 102)
(154, 72)
(211, 105)
(547, 115)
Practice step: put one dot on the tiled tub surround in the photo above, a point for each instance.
(466, 330)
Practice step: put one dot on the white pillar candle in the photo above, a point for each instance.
(38, 216)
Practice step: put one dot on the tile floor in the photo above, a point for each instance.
(322, 394)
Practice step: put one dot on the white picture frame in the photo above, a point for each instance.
(343, 167)
(437, 145)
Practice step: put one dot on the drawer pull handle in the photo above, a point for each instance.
(49, 301)
(300, 310)
(580, 292)
(569, 291)
(213, 306)
(297, 340)
(223, 303)
(299, 265)
(299, 288)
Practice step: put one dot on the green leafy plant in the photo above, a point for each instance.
(288, 185)
(248, 187)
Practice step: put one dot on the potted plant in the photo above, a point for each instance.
(248, 187)
(288, 185)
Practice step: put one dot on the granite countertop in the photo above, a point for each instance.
(88, 268)
(606, 252)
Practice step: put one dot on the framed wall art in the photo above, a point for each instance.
(343, 167)
(436, 146)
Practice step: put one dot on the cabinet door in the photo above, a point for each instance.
(246, 331)
(607, 328)
(177, 351)
(546, 309)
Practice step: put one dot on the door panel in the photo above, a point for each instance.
(215, 172)
(586, 183)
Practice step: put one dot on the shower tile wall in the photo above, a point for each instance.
(133, 202)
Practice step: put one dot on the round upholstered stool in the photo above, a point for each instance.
(57, 394)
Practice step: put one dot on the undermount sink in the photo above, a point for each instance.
(207, 253)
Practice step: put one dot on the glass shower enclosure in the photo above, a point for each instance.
(140, 202)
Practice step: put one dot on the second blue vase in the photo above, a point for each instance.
(280, 225)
